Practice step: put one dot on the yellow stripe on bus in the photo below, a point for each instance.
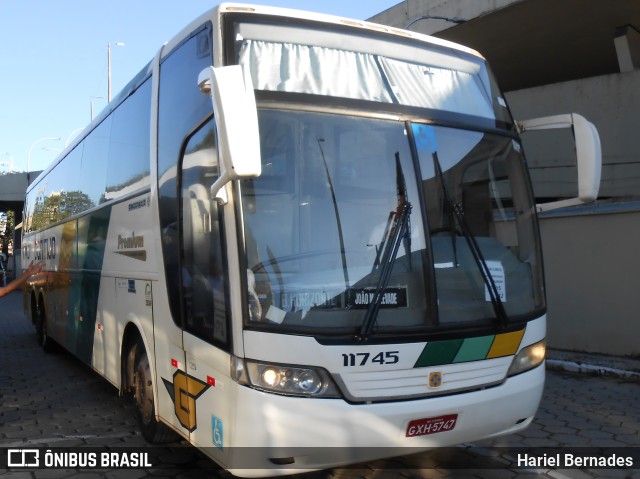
(505, 344)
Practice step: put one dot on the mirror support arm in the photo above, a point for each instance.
(236, 119)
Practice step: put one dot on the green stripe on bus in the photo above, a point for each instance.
(84, 291)
(474, 349)
(439, 352)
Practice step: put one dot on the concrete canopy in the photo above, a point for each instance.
(529, 42)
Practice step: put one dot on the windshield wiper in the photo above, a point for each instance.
(343, 255)
(478, 257)
(399, 231)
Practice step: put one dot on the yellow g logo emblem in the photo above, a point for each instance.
(184, 392)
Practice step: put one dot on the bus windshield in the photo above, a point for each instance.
(324, 217)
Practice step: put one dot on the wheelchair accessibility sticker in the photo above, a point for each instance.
(217, 432)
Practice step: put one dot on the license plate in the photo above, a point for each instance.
(431, 425)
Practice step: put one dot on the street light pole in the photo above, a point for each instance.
(10, 162)
(118, 44)
(31, 149)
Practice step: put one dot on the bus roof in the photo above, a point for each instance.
(363, 24)
(215, 13)
(214, 16)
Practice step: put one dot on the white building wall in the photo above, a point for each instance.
(592, 263)
(592, 270)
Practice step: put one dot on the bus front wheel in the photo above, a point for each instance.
(152, 430)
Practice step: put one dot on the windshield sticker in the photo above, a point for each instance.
(360, 298)
(497, 273)
(355, 298)
(425, 137)
(275, 314)
(292, 301)
(449, 264)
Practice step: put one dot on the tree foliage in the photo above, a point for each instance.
(6, 234)
(58, 207)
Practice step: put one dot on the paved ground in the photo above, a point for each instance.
(54, 401)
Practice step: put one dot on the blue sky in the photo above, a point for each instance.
(53, 60)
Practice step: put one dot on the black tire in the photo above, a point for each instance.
(40, 320)
(152, 430)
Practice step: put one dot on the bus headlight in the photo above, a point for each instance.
(528, 358)
(283, 379)
(271, 377)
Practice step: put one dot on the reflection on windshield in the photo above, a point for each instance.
(457, 224)
(317, 219)
(323, 218)
(482, 225)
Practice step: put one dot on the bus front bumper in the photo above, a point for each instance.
(285, 435)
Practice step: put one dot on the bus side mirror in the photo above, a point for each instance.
(236, 118)
(588, 154)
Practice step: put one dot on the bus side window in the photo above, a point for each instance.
(204, 290)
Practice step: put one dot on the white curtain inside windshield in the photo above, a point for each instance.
(277, 66)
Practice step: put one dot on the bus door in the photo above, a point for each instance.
(204, 283)
(191, 337)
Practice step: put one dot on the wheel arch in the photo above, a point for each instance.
(133, 337)
(134, 345)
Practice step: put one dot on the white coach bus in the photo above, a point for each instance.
(304, 239)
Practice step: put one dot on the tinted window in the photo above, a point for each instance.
(94, 162)
(182, 107)
(111, 161)
(57, 196)
(203, 279)
(128, 168)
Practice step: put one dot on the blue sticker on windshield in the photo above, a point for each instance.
(425, 137)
